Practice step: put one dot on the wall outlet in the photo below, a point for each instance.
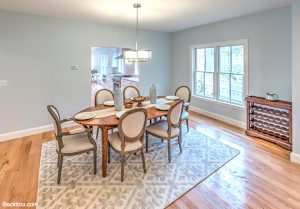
(74, 67)
(3, 83)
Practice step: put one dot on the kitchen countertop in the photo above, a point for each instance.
(134, 79)
(114, 75)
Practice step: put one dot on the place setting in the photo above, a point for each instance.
(85, 115)
(172, 98)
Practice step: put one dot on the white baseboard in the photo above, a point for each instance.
(219, 117)
(31, 131)
(295, 158)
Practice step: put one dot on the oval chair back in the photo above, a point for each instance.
(102, 96)
(55, 116)
(132, 125)
(183, 92)
(174, 115)
(130, 91)
(56, 123)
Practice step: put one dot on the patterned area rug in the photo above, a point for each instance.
(161, 185)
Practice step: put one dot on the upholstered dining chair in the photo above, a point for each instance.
(72, 142)
(130, 91)
(184, 93)
(102, 96)
(168, 129)
(130, 137)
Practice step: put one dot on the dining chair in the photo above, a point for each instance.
(102, 96)
(72, 142)
(130, 91)
(130, 137)
(168, 129)
(184, 93)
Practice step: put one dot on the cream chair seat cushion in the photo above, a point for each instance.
(75, 143)
(77, 130)
(160, 128)
(115, 142)
(185, 115)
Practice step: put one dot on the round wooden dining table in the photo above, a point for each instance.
(109, 122)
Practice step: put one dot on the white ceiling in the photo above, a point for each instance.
(157, 15)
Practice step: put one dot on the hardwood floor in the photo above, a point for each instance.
(261, 176)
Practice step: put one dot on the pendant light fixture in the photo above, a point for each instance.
(137, 55)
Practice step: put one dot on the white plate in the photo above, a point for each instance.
(162, 107)
(109, 103)
(85, 115)
(172, 97)
(119, 114)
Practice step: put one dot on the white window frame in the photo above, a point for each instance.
(213, 45)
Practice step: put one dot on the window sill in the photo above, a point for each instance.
(219, 102)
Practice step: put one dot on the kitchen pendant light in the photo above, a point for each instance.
(137, 55)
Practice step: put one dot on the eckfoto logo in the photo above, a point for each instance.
(19, 204)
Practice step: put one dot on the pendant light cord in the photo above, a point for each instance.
(137, 6)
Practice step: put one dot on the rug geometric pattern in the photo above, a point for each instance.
(162, 184)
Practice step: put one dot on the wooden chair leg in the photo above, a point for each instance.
(95, 161)
(60, 162)
(147, 142)
(179, 142)
(108, 153)
(180, 133)
(122, 167)
(97, 132)
(143, 160)
(187, 125)
(57, 161)
(169, 150)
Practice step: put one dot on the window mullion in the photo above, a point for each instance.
(216, 73)
(194, 64)
(204, 73)
(195, 82)
(230, 73)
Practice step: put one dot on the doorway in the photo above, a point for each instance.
(109, 70)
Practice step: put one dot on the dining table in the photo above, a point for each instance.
(109, 122)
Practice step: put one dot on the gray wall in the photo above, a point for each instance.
(270, 68)
(296, 76)
(35, 57)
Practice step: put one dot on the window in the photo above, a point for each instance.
(219, 71)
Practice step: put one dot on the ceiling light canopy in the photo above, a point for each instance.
(137, 54)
